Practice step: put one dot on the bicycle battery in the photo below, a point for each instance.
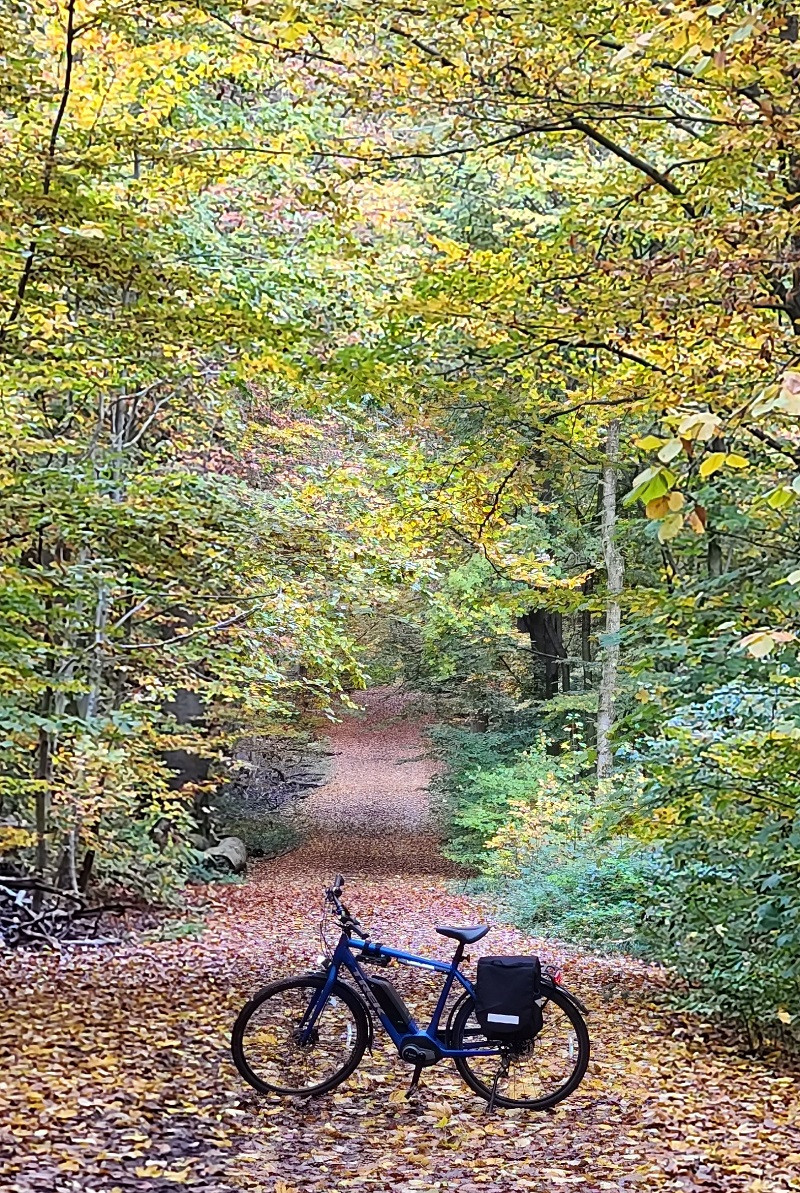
(390, 1003)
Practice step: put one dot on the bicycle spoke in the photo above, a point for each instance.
(534, 1071)
(284, 1053)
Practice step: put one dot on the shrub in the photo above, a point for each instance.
(595, 898)
(470, 792)
(724, 799)
(532, 823)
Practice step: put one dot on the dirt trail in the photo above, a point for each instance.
(373, 815)
(115, 1075)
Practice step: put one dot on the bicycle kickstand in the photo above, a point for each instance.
(502, 1071)
(414, 1081)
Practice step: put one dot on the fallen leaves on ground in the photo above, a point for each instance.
(115, 1072)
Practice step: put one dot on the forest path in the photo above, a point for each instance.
(115, 1073)
(373, 815)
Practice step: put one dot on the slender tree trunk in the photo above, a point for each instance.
(586, 638)
(615, 574)
(101, 613)
(72, 858)
(42, 801)
(714, 556)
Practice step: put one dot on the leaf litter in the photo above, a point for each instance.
(115, 1073)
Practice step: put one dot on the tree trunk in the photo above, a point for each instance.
(42, 801)
(547, 644)
(586, 638)
(615, 574)
(714, 557)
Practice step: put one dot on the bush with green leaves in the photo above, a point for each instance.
(594, 898)
(723, 798)
(527, 817)
(468, 793)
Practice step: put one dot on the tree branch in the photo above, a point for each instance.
(431, 53)
(207, 629)
(49, 167)
(497, 496)
(775, 444)
(638, 163)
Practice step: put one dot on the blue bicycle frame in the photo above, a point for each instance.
(343, 957)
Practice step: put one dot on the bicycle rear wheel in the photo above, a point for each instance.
(541, 1071)
(266, 1041)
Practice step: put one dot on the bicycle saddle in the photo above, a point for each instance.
(465, 935)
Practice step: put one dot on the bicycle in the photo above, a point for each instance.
(304, 1036)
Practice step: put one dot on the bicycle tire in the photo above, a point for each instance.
(565, 1004)
(310, 982)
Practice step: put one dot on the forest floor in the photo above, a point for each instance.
(115, 1073)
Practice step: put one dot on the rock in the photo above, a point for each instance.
(198, 841)
(230, 854)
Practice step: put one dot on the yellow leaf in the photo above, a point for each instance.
(789, 398)
(649, 443)
(701, 425)
(671, 449)
(765, 401)
(779, 497)
(676, 502)
(712, 464)
(696, 523)
(445, 245)
(735, 461)
(784, 1015)
(759, 644)
(670, 527)
(658, 507)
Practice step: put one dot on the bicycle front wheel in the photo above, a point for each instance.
(534, 1074)
(267, 1044)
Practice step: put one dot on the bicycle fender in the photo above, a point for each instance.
(573, 998)
(456, 1007)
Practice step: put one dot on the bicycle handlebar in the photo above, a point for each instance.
(346, 918)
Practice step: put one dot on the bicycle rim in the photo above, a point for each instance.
(542, 1071)
(267, 1044)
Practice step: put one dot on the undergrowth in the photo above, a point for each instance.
(526, 818)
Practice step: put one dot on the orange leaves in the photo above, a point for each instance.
(697, 519)
(119, 1078)
(670, 503)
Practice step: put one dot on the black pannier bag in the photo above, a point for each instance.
(505, 997)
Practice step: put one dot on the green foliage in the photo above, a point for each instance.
(170, 522)
(295, 343)
(724, 796)
(469, 794)
(595, 898)
(266, 834)
(532, 824)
